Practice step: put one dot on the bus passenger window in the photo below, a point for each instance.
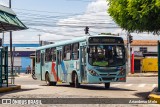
(53, 54)
(67, 52)
(48, 55)
(75, 51)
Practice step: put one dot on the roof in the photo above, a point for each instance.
(79, 39)
(23, 53)
(63, 42)
(23, 45)
(143, 43)
(9, 21)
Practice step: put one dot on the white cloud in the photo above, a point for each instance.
(97, 6)
(98, 19)
(4, 2)
(95, 16)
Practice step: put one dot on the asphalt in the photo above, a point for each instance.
(152, 74)
(154, 95)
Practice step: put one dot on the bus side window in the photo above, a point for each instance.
(53, 54)
(67, 52)
(47, 54)
(75, 51)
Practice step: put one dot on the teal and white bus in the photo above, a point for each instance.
(85, 60)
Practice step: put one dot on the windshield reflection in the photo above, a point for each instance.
(106, 55)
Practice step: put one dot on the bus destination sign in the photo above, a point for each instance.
(105, 40)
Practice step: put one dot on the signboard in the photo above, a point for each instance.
(104, 40)
(138, 53)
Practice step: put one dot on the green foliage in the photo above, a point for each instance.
(136, 15)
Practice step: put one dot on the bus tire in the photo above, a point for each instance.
(47, 79)
(76, 83)
(53, 83)
(71, 84)
(107, 85)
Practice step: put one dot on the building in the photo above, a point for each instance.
(143, 49)
(21, 56)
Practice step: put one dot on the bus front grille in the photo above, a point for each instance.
(108, 79)
(106, 71)
(107, 75)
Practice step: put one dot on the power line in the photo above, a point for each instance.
(38, 11)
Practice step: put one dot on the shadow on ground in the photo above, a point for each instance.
(92, 87)
(143, 95)
(16, 91)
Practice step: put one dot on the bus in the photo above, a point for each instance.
(84, 60)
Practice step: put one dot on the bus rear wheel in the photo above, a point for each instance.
(107, 85)
(76, 83)
(48, 81)
(71, 84)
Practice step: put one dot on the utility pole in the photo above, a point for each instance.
(129, 52)
(11, 55)
(158, 65)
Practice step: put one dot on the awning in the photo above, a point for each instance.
(9, 21)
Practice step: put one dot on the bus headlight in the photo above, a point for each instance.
(93, 73)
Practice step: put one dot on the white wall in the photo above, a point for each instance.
(17, 61)
(149, 48)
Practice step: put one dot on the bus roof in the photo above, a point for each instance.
(79, 39)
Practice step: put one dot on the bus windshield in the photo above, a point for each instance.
(106, 55)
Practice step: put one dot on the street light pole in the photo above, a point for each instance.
(9, 3)
(11, 55)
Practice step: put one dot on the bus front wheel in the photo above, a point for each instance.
(107, 85)
(48, 81)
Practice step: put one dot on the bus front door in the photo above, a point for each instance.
(42, 67)
(59, 66)
(83, 64)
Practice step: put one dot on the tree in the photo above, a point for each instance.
(139, 16)
(136, 15)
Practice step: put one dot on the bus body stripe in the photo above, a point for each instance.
(64, 71)
(54, 71)
(63, 68)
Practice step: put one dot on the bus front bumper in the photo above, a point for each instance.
(105, 79)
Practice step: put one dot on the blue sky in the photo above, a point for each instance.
(58, 20)
(63, 6)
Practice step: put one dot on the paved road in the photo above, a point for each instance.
(135, 87)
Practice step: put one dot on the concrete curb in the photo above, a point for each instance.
(10, 88)
(142, 75)
(154, 95)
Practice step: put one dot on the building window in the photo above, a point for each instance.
(143, 49)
